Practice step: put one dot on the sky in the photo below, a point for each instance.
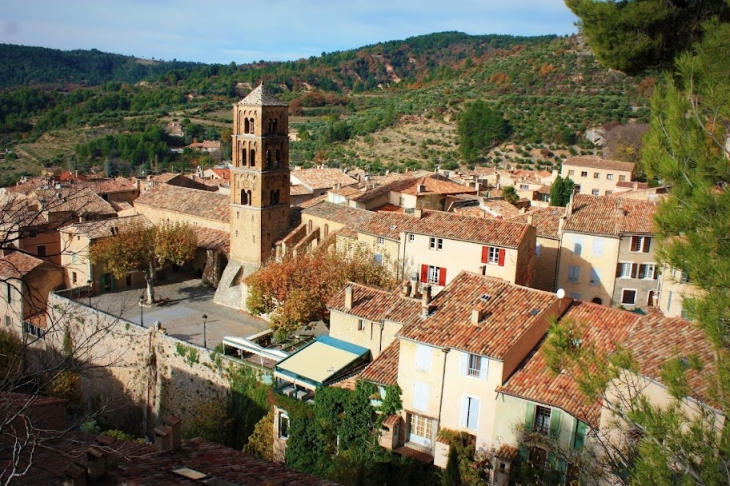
(243, 31)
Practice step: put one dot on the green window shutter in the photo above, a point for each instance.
(555, 423)
(580, 435)
(530, 417)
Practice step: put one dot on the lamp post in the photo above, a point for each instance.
(205, 337)
(141, 310)
(90, 284)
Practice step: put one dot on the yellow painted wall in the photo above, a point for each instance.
(605, 264)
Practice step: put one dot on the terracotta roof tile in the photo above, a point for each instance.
(104, 228)
(384, 369)
(345, 191)
(599, 163)
(324, 178)
(368, 302)
(299, 190)
(313, 202)
(212, 239)
(107, 186)
(545, 220)
(204, 204)
(429, 185)
(509, 311)
(500, 207)
(601, 215)
(355, 218)
(18, 264)
(602, 326)
(447, 225)
(79, 201)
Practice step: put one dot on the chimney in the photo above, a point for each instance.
(348, 297)
(414, 284)
(96, 463)
(426, 301)
(406, 288)
(74, 475)
(476, 316)
(569, 206)
(163, 438)
(418, 213)
(421, 188)
(529, 219)
(175, 424)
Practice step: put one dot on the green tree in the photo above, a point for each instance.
(139, 247)
(509, 193)
(634, 35)
(451, 475)
(560, 191)
(480, 127)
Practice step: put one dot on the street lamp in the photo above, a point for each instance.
(141, 310)
(205, 337)
(90, 284)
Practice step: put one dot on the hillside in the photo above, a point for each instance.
(390, 105)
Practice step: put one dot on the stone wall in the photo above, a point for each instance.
(139, 374)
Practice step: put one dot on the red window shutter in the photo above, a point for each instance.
(634, 270)
(485, 254)
(424, 273)
(442, 277)
(502, 253)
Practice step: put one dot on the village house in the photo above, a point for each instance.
(607, 251)
(26, 282)
(318, 181)
(596, 176)
(547, 246)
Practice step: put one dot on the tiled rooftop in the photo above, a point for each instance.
(18, 264)
(312, 202)
(79, 201)
(509, 312)
(355, 218)
(500, 207)
(261, 97)
(601, 325)
(545, 220)
(212, 239)
(429, 185)
(108, 186)
(384, 369)
(447, 225)
(299, 190)
(204, 204)
(615, 216)
(324, 178)
(599, 163)
(368, 302)
(102, 229)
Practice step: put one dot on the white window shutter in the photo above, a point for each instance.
(597, 246)
(423, 357)
(484, 370)
(473, 414)
(464, 410)
(464, 364)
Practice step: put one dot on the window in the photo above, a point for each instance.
(597, 246)
(576, 189)
(640, 244)
(360, 325)
(596, 192)
(411, 238)
(628, 297)
(435, 243)
(575, 295)
(524, 187)
(380, 240)
(579, 436)
(537, 249)
(608, 193)
(596, 175)
(420, 430)
(74, 277)
(40, 250)
(684, 278)
(622, 177)
(469, 412)
(36, 331)
(8, 320)
(421, 392)
(33, 235)
(571, 173)
(378, 258)
(8, 292)
(542, 420)
(474, 365)
(283, 426)
(573, 273)
(577, 244)
(595, 276)
(584, 174)
(493, 255)
(624, 270)
(609, 177)
(423, 357)
(433, 274)
(647, 271)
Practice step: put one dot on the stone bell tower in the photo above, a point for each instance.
(259, 177)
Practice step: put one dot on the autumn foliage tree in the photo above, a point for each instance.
(295, 291)
(140, 247)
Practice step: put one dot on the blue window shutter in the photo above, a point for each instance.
(530, 417)
(484, 370)
(464, 363)
(473, 414)
(464, 410)
(554, 423)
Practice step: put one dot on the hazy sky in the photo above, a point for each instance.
(274, 30)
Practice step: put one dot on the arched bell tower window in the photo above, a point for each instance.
(244, 197)
(245, 126)
(268, 158)
(243, 157)
(252, 160)
(251, 126)
(277, 154)
(273, 125)
(248, 197)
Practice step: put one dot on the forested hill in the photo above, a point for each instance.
(25, 65)
(356, 69)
